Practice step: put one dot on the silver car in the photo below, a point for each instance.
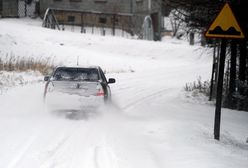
(70, 87)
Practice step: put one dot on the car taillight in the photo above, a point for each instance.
(100, 92)
(50, 87)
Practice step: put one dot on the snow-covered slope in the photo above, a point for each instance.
(149, 125)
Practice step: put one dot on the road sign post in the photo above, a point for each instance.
(225, 26)
(219, 90)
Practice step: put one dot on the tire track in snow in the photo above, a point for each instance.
(83, 148)
(104, 156)
(21, 152)
(137, 88)
(56, 150)
(96, 150)
(146, 98)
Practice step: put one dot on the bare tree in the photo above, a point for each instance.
(177, 21)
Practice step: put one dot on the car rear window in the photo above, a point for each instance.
(76, 74)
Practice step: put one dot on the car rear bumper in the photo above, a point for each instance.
(64, 101)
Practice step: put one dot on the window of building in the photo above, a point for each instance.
(139, 3)
(103, 20)
(71, 18)
(100, 1)
(75, 0)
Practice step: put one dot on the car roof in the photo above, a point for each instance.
(97, 67)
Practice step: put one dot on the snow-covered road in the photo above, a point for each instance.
(146, 127)
(150, 124)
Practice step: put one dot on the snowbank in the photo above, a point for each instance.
(13, 79)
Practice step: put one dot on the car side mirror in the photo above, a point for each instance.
(111, 80)
(46, 78)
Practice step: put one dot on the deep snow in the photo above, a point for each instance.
(150, 124)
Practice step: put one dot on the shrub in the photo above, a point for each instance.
(198, 86)
(16, 63)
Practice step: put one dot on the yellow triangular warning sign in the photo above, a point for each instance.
(225, 25)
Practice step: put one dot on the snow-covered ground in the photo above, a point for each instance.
(8, 80)
(150, 124)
